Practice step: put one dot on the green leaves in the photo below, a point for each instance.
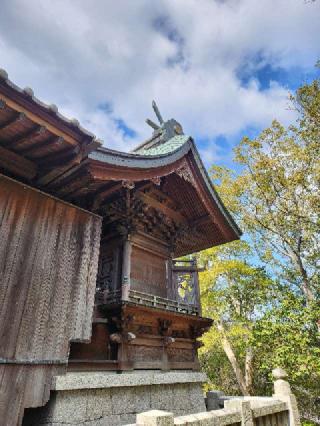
(276, 197)
(263, 293)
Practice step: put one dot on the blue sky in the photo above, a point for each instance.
(223, 69)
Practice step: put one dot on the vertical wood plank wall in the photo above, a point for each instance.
(148, 272)
(48, 265)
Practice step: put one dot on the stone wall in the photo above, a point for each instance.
(279, 410)
(92, 399)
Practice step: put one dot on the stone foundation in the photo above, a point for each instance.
(110, 399)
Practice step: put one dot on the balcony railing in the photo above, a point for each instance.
(182, 291)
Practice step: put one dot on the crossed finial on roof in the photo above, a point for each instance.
(159, 117)
(167, 129)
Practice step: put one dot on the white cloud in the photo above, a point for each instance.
(186, 54)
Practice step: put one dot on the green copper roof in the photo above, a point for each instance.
(165, 147)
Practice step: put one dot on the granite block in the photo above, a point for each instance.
(155, 418)
(99, 403)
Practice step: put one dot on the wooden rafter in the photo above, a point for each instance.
(17, 164)
(58, 174)
(78, 183)
(54, 158)
(19, 141)
(37, 120)
(13, 120)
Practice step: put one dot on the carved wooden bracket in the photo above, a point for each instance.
(128, 184)
(116, 337)
(130, 336)
(168, 341)
(122, 337)
(185, 173)
(156, 180)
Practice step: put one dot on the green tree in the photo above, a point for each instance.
(235, 294)
(278, 193)
(276, 200)
(287, 336)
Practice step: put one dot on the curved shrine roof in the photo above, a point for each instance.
(160, 157)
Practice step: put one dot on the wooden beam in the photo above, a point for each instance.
(93, 145)
(17, 164)
(13, 120)
(25, 137)
(178, 217)
(59, 172)
(38, 146)
(78, 182)
(54, 159)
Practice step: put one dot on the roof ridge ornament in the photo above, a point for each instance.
(159, 117)
(165, 130)
(157, 112)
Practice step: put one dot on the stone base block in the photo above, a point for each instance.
(96, 399)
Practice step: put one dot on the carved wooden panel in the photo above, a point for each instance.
(180, 355)
(144, 353)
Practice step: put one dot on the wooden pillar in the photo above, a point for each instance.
(196, 285)
(170, 290)
(126, 269)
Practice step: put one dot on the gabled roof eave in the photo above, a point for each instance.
(143, 161)
(214, 194)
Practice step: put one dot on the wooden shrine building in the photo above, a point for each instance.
(89, 242)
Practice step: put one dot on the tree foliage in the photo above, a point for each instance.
(264, 293)
(235, 294)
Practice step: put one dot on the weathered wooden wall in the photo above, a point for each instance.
(48, 264)
(148, 266)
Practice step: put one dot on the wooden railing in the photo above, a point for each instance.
(182, 287)
(161, 302)
(145, 299)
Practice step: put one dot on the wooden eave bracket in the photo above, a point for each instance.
(175, 215)
(59, 173)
